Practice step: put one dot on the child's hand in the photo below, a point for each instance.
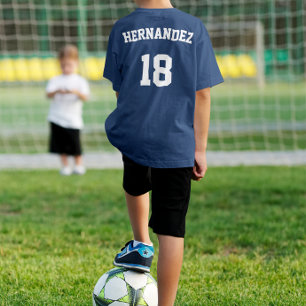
(63, 91)
(58, 91)
(74, 91)
(200, 166)
(77, 93)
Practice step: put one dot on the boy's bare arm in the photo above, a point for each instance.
(117, 94)
(201, 119)
(201, 125)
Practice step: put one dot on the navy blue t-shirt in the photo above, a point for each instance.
(157, 59)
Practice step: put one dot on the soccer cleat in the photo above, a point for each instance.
(137, 258)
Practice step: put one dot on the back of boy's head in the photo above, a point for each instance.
(68, 52)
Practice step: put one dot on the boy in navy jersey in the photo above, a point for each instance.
(161, 64)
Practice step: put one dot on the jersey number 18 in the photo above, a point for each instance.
(158, 70)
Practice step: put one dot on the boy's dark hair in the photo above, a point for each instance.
(69, 51)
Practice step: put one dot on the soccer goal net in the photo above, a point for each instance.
(260, 47)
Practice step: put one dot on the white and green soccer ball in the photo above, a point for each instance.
(123, 287)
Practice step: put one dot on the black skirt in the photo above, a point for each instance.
(64, 140)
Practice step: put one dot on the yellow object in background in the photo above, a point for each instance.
(231, 65)
(21, 70)
(50, 67)
(35, 69)
(101, 64)
(93, 71)
(247, 65)
(7, 71)
(222, 67)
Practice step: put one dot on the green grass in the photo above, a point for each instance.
(245, 241)
(242, 118)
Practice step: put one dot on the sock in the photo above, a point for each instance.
(135, 243)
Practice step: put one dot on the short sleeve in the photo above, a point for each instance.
(208, 72)
(51, 86)
(112, 69)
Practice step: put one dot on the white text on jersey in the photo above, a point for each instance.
(158, 33)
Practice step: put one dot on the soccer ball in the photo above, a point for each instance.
(123, 287)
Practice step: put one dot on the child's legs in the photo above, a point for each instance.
(169, 265)
(78, 160)
(139, 207)
(64, 160)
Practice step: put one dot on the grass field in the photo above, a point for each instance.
(243, 117)
(245, 242)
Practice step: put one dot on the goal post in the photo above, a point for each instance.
(247, 56)
(260, 54)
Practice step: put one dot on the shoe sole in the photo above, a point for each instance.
(135, 267)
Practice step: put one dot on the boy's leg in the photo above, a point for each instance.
(169, 265)
(138, 208)
(137, 256)
(136, 184)
(170, 199)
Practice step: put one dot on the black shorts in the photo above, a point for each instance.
(64, 140)
(170, 194)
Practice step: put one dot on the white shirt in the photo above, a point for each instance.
(66, 109)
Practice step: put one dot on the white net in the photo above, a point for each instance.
(260, 46)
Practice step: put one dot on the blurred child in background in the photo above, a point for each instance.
(68, 91)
